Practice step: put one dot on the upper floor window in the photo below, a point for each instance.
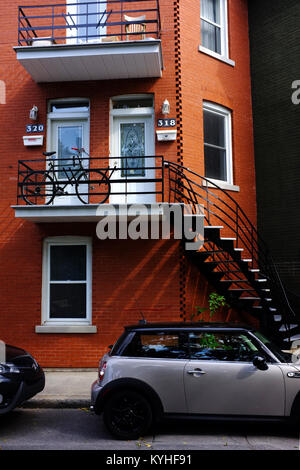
(67, 275)
(214, 26)
(217, 143)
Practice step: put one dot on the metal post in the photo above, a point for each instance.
(53, 23)
(87, 22)
(163, 180)
(237, 226)
(121, 25)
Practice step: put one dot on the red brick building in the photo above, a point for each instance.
(95, 76)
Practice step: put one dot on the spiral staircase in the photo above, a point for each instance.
(234, 258)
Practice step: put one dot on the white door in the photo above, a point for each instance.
(65, 135)
(86, 18)
(133, 141)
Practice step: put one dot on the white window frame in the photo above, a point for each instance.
(224, 55)
(66, 241)
(224, 112)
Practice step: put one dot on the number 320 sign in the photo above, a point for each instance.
(35, 128)
(166, 122)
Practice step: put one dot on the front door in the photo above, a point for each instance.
(133, 151)
(221, 379)
(65, 135)
(85, 19)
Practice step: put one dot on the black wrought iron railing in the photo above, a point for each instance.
(90, 180)
(221, 209)
(94, 21)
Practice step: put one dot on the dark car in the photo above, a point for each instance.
(20, 378)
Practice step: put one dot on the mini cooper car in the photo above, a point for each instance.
(202, 369)
(20, 378)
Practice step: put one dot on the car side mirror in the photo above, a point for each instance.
(260, 363)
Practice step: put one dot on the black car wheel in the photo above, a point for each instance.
(127, 415)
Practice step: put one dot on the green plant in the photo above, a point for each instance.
(215, 302)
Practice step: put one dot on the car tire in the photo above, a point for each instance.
(127, 415)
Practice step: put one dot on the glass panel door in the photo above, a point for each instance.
(133, 141)
(65, 135)
(133, 147)
(86, 18)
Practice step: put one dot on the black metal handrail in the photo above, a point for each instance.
(188, 187)
(51, 176)
(64, 23)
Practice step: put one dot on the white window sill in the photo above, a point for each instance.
(66, 329)
(221, 184)
(217, 56)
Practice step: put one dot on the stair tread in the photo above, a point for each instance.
(250, 298)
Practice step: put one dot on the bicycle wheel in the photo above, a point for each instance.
(38, 188)
(92, 186)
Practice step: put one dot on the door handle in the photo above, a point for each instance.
(196, 372)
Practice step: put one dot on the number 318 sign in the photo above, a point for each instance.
(166, 122)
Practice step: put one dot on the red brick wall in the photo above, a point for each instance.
(128, 276)
(205, 78)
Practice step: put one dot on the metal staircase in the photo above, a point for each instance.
(234, 258)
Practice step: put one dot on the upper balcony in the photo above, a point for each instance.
(90, 40)
(75, 189)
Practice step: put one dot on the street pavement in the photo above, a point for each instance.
(80, 429)
(59, 419)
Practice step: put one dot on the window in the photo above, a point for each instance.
(217, 143)
(214, 26)
(222, 347)
(157, 345)
(67, 280)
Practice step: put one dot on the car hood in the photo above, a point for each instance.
(12, 352)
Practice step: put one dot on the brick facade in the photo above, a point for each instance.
(128, 276)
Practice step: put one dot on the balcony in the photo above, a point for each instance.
(101, 40)
(87, 189)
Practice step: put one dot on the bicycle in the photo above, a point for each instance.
(45, 186)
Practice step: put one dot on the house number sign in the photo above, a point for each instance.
(166, 122)
(32, 128)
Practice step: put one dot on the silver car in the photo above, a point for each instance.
(207, 370)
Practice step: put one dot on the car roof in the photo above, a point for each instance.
(188, 325)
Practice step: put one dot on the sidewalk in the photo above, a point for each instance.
(65, 388)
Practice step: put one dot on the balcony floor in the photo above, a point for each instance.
(96, 61)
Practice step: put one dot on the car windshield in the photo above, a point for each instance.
(282, 356)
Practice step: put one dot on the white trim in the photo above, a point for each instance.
(221, 184)
(217, 109)
(224, 32)
(132, 112)
(216, 56)
(65, 329)
(66, 240)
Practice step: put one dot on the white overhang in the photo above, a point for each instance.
(88, 212)
(100, 61)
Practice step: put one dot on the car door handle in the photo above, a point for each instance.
(196, 371)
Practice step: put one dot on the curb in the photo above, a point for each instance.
(57, 403)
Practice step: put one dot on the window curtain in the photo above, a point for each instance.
(211, 34)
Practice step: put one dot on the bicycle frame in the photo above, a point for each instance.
(66, 170)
